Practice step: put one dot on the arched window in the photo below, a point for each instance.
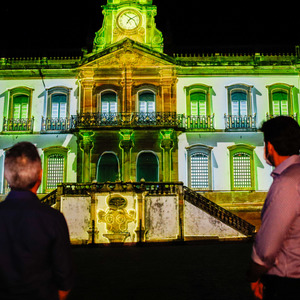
(58, 102)
(280, 100)
(242, 167)
(109, 102)
(239, 99)
(20, 103)
(146, 102)
(108, 168)
(199, 167)
(198, 100)
(147, 167)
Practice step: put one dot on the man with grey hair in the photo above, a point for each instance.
(35, 256)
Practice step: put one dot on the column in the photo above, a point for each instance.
(167, 145)
(126, 145)
(86, 145)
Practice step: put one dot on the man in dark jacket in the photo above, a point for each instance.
(35, 258)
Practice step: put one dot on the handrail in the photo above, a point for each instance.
(50, 199)
(219, 212)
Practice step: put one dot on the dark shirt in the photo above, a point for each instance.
(35, 255)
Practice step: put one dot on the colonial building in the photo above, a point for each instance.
(127, 112)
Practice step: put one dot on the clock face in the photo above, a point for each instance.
(129, 20)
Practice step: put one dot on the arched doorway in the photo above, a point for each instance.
(108, 167)
(147, 167)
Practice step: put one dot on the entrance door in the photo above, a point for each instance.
(108, 168)
(147, 167)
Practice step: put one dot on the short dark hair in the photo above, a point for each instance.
(22, 166)
(283, 133)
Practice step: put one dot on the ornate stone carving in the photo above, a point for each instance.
(116, 218)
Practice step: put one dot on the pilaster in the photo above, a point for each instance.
(167, 145)
(86, 145)
(126, 145)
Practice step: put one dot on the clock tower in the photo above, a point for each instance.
(133, 19)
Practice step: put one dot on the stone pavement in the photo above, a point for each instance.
(203, 270)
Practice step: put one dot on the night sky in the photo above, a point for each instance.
(53, 28)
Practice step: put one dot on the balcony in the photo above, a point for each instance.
(240, 123)
(98, 120)
(205, 123)
(51, 125)
(18, 125)
(294, 116)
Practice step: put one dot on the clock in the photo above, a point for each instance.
(129, 20)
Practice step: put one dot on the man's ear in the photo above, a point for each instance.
(270, 148)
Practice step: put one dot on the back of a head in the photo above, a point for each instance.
(283, 133)
(22, 166)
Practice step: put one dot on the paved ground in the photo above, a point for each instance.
(210, 270)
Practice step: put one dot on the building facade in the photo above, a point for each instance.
(129, 112)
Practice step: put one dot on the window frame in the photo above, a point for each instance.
(100, 101)
(242, 148)
(202, 88)
(142, 91)
(19, 91)
(47, 152)
(54, 91)
(99, 160)
(242, 88)
(199, 148)
(281, 87)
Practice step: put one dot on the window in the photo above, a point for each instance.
(199, 167)
(198, 104)
(239, 103)
(147, 167)
(20, 103)
(55, 163)
(280, 100)
(20, 107)
(241, 165)
(58, 102)
(198, 100)
(108, 168)
(239, 99)
(55, 174)
(59, 106)
(199, 171)
(109, 102)
(146, 102)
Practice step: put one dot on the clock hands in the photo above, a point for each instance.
(131, 19)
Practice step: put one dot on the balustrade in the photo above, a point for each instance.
(240, 123)
(18, 124)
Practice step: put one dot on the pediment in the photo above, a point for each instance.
(127, 54)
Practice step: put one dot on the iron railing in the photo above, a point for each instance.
(56, 124)
(125, 119)
(18, 124)
(219, 212)
(202, 122)
(240, 123)
(268, 116)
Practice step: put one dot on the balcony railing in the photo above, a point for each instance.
(56, 124)
(16, 124)
(240, 123)
(197, 122)
(294, 116)
(126, 119)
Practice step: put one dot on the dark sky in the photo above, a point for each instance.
(54, 28)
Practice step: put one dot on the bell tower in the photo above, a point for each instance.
(133, 19)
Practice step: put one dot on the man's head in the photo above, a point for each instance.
(283, 135)
(22, 166)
